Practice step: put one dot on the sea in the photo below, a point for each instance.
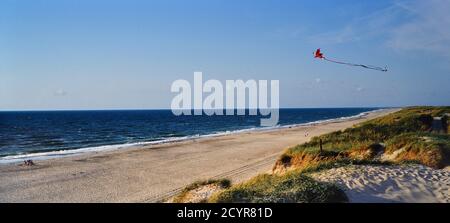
(47, 134)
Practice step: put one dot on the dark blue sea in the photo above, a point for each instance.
(37, 134)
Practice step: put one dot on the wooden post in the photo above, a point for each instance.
(320, 143)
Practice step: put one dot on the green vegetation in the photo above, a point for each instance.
(293, 187)
(409, 130)
(426, 148)
(221, 183)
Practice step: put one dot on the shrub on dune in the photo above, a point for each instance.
(429, 149)
(292, 187)
(199, 191)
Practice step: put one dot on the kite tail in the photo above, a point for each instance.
(358, 65)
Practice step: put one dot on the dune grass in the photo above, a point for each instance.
(432, 150)
(409, 130)
(221, 183)
(293, 187)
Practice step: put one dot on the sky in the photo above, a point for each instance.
(84, 54)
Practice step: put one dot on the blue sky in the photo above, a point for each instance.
(125, 54)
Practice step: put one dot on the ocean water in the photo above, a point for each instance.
(43, 134)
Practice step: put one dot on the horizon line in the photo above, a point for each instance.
(168, 109)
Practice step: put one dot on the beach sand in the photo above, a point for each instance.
(155, 172)
(390, 184)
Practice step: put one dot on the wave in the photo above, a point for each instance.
(73, 152)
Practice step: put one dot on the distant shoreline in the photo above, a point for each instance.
(11, 159)
(153, 172)
(160, 109)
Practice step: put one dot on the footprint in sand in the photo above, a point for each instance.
(411, 183)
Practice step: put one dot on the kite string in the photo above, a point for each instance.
(357, 65)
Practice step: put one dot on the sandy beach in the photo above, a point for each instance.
(156, 172)
(390, 184)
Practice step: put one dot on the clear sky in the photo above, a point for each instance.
(84, 54)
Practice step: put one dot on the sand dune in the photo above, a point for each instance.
(387, 184)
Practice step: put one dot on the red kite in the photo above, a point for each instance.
(319, 55)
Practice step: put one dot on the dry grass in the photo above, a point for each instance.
(429, 149)
(365, 151)
(292, 187)
(189, 193)
(304, 160)
(408, 130)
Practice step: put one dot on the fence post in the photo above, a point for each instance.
(320, 143)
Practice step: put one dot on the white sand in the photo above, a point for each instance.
(387, 184)
(199, 194)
